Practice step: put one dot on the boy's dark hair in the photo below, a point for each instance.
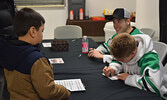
(26, 18)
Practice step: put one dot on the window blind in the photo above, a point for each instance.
(38, 2)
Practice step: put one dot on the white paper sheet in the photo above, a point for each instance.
(72, 84)
(47, 44)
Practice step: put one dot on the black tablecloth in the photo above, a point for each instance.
(89, 71)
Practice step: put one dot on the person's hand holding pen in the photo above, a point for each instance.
(108, 71)
(94, 53)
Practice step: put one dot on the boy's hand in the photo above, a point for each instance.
(123, 76)
(108, 71)
(90, 54)
(94, 53)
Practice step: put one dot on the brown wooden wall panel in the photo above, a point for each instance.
(89, 27)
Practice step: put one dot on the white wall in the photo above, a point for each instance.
(53, 17)
(96, 7)
(57, 16)
(147, 15)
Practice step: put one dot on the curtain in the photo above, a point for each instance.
(163, 20)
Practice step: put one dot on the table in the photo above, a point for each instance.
(89, 27)
(89, 71)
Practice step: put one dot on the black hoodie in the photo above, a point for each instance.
(18, 55)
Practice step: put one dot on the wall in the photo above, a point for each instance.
(147, 15)
(95, 7)
(57, 16)
(54, 17)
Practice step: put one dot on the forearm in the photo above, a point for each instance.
(116, 66)
(145, 82)
(107, 58)
(132, 80)
(103, 48)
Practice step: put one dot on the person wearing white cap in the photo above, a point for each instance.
(121, 23)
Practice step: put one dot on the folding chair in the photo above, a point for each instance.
(161, 49)
(148, 31)
(67, 32)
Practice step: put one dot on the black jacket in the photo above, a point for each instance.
(7, 11)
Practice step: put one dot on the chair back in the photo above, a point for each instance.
(67, 32)
(161, 49)
(165, 67)
(148, 31)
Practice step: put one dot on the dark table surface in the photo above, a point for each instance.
(89, 70)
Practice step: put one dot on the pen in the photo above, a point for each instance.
(107, 64)
(79, 55)
(74, 40)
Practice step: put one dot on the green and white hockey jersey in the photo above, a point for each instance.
(105, 49)
(145, 69)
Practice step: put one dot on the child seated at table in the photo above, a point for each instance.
(28, 72)
(137, 64)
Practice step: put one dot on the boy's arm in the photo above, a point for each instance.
(104, 49)
(117, 66)
(151, 74)
(107, 58)
(43, 81)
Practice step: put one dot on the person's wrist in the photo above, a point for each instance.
(101, 56)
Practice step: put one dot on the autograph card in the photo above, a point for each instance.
(115, 77)
(56, 61)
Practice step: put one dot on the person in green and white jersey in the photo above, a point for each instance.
(137, 63)
(121, 23)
